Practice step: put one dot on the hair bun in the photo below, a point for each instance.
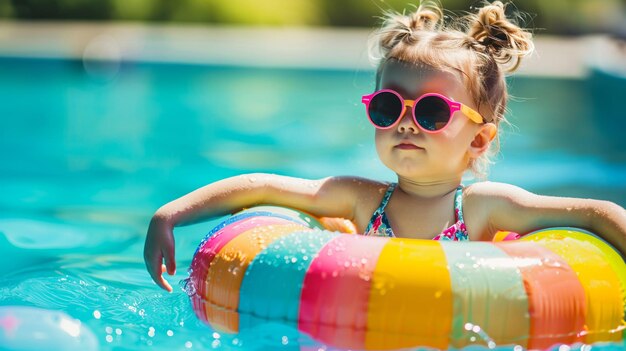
(426, 17)
(504, 40)
(400, 27)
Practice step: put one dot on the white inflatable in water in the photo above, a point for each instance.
(28, 328)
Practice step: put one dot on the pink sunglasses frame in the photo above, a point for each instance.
(454, 106)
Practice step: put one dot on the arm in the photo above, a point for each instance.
(325, 197)
(507, 207)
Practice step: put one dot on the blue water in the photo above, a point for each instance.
(89, 152)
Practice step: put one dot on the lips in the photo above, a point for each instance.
(407, 146)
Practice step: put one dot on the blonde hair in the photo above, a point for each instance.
(480, 48)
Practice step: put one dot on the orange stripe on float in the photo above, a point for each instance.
(228, 269)
(207, 251)
(556, 299)
(410, 299)
(603, 291)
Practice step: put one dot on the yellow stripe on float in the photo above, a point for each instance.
(410, 301)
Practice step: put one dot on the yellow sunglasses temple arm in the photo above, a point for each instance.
(472, 114)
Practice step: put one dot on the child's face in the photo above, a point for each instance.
(435, 156)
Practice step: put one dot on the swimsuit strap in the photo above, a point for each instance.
(378, 224)
(457, 231)
(385, 200)
(458, 204)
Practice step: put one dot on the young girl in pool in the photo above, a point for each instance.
(440, 98)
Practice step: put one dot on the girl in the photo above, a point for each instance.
(440, 98)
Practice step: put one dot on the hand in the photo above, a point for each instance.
(159, 245)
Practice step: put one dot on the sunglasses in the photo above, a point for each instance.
(432, 112)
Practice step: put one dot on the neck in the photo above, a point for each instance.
(428, 189)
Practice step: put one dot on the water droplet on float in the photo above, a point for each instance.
(251, 179)
(170, 333)
(188, 287)
(188, 344)
(97, 314)
(109, 338)
(285, 340)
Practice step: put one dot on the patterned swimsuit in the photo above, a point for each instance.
(379, 224)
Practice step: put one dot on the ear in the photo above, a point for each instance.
(482, 139)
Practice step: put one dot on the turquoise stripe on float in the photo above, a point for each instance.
(487, 292)
(272, 284)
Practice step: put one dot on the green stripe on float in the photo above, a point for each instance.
(273, 281)
(489, 299)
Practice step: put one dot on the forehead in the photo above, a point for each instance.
(414, 80)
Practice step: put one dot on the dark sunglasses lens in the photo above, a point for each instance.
(384, 109)
(432, 113)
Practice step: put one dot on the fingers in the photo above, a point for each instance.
(170, 262)
(155, 269)
(164, 283)
(159, 245)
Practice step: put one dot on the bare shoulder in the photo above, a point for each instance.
(350, 197)
(367, 194)
(347, 196)
(352, 186)
(493, 192)
(362, 190)
(483, 200)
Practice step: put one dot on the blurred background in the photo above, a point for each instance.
(556, 17)
(109, 109)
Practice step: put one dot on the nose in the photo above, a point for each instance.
(406, 124)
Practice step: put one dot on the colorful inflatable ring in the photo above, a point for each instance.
(559, 285)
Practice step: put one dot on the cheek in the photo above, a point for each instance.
(382, 140)
(379, 140)
(456, 139)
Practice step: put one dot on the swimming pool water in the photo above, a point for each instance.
(87, 155)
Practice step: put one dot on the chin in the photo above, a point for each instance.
(411, 171)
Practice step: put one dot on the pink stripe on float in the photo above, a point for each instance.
(205, 255)
(335, 293)
(556, 298)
